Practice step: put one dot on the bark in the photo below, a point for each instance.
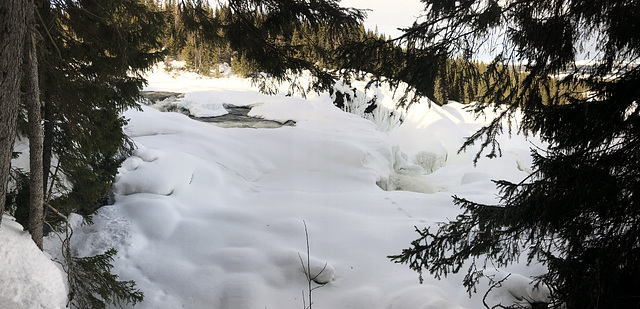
(32, 99)
(12, 30)
(46, 79)
(47, 146)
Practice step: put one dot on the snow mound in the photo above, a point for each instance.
(432, 159)
(431, 135)
(154, 171)
(28, 277)
(202, 104)
(316, 270)
(515, 289)
(421, 297)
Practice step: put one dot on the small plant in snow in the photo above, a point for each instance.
(311, 278)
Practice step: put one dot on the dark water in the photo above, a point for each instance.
(238, 116)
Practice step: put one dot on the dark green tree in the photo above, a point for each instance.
(92, 285)
(579, 212)
(261, 32)
(86, 69)
(272, 37)
(174, 35)
(193, 35)
(92, 55)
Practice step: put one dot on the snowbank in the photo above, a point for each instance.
(29, 279)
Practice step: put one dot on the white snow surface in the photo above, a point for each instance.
(207, 217)
(29, 279)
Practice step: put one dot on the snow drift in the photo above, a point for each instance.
(29, 279)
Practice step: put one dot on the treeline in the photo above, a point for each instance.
(194, 34)
(431, 72)
(188, 37)
(467, 81)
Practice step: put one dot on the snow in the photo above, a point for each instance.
(28, 277)
(516, 289)
(202, 104)
(210, 217)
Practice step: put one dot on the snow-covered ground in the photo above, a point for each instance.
(29, 279)
(207, 217)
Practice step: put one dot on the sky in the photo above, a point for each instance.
(387, 15)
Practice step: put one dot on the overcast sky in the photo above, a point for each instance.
(388, 15)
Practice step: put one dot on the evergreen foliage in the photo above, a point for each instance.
(257, 30)
(18, 198)
(92, 55)
(278, 38)
(193, 34)
(579, 212)
(92, 285)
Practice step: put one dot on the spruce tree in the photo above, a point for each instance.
(12, 32)
(92, 285)
(261, 32)
(279, 38)
(93, 54)
(579, 212)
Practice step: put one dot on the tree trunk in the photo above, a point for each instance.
(47, 146)
(12, 30)
(47, 80)
(36, 197)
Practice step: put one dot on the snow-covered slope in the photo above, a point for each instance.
(29, 279)
(207, 217)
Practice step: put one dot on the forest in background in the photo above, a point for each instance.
(458, 79)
